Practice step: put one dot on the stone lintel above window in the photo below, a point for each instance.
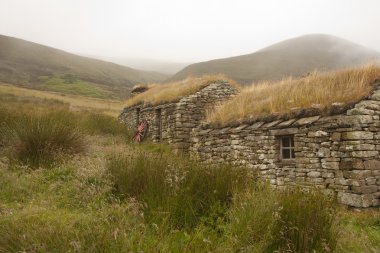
(284, 131)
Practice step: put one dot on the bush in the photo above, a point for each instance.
(177, 190)
(42, 139)
(264, 220)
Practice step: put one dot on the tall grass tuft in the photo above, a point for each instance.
(264, 220)
(305, 222)
(43, 139)
(5, 118)
(177, 190)
(99, 123)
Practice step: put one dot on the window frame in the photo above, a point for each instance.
(291, 148)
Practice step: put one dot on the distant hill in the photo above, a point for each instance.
(295, 57)
(33, 65)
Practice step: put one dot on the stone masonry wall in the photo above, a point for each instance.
(177, 118)
(133, 115)
(191, 110)
(338, 153)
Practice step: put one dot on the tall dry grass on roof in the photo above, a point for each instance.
(322, 88)
(173, 91)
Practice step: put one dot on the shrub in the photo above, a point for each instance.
(177, 190)
(42, 139)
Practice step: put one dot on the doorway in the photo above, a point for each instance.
(159, 124)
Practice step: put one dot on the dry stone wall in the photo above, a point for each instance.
(161, 120)
(191, 110)
(338, 153)
(172, 122)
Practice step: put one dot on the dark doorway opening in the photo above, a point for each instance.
(137, 116)
(159, 124)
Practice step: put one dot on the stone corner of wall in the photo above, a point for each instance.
(358, 200)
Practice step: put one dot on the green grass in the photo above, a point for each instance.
(361, 233)
(176, 190)
(69, 84)
(263, 220)
(151, 147)
(98, 123)
(63, 209)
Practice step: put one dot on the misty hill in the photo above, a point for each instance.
(165, 67)
(295, 57)
(33, 65)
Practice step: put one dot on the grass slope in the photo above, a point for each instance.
(68, 84)
(19, 95)
(293, 57)
(24, 63)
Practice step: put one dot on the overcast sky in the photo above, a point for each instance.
(184, 30)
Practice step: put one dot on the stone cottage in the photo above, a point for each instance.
(172, 122)
(337, 150)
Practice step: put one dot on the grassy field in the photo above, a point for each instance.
(69, 84)
(75, 102)
(98, 192)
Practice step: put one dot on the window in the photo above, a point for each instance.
(287, 147)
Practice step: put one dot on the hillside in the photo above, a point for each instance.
(36, 66)
(293, 57)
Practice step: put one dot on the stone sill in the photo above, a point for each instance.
(286, 162)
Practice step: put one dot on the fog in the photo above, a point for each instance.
(184, 31)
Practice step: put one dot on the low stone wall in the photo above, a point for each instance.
(338, 153)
